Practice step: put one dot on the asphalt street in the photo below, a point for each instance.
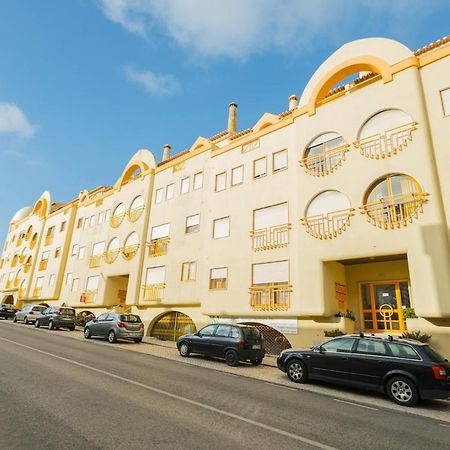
(60, 393)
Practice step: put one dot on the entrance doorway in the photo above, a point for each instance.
(382, 305)
(171, 325)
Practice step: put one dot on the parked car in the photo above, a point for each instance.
(115, 326)
(233, 342)
(8, 311)
(28, 313)
(56, 317)
(405, 370)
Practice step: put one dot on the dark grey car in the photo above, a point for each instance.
(56, 317)
(115, 326)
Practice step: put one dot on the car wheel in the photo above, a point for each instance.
(402, 391)
(51, 326)
(25, 320)
(37, 324)
(87, 333)
(256, 362)
(14, 319)
(137, 340)
(185, 350)
(112, 337)
(296, 371)
(232, 358)
(71, 328)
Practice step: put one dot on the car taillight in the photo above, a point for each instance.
(241, 343)
(141, 326)
(121, 325)
(439, 373)
(58, 313)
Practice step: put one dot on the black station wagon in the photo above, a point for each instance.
(405, 370)
(233, 342)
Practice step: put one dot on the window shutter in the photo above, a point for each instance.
(160, 231)
(271, 216)
(276, 272)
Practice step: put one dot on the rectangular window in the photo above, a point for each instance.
(51, 280)
(155, 275)
(51, 231)
(57, 252)
(271, 273)
(39, 282)
(92, 283)
(445, 98)
(86, 223)
(188, 271)
(75, 284)
(170, 191)
(101, 217)
(218, 278)
(107, 215)
(192, 223)
(81, 252)
(69, 278)
(98, 248)
(279, 161)
(221, 228)
(74, 249)
(221, 181)
(80, 222)
(198, 180)
(45, 255)
(91, 221)
(159, 195)
(62, 226)
(237, 175)
(185, 185)
(260, 167)
(160, 231)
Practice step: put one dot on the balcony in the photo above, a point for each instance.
(386, 144)
(130, 251)
(21, 259)
(48, 239)
(270, 297)
(111, 255)
(14, 261)
(326, 162)
(33, 241)
(90, 295)
(395, 211)
(20, 293)
(158, 247)
(8, 284)
(328, 226)
(271, 238)
(27, 267)
(19, 241)
(43, 264)
(134, 214)
(116, 220)
(95, 260)
(16, 282)
(153, 292)
(37, 292)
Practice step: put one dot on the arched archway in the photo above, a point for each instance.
(171, 325)
(275, 341)
(8, 300)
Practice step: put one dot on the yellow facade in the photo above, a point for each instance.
(341, 203)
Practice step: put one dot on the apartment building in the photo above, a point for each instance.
(333, 209)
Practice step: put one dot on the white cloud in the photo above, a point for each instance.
(153, 83)
(239, 28)
(13, 120)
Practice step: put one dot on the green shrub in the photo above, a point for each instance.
(333, 333)
(348, 314)
(417, 336)
(409, 313)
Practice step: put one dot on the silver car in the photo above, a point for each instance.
(28, 313)
(115, 326)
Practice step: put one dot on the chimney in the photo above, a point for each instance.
(166, 152)
(232, 118)
(293, 102)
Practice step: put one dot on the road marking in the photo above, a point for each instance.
(178, 397)
(354, 404)
(280, 386)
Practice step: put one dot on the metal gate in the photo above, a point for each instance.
(275, 341)
(170, 326)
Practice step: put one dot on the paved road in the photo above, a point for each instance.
(60, 393)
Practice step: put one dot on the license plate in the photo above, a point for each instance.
(256, 346)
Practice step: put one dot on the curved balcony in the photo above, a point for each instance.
(270, 297)
(115, 221)
(48, 239)
(329, 225)
(395, 211)
(43, 265)
(95, 261)
(326, 162)
(134, 214)
(111, 255)
(8, 284)
(20, 293)
(33, 241)
(16, 282)
(129, 252)
(19, 241)
(27, 267)
(386, 144)
(14, 261)
(158, 247)
(153, 292)
(271, 238)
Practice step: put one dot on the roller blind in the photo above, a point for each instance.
(185, 185)
(259, 167)
(221, 181)
(160, 231)
(193, 220)
(156, 275)
(218, 273)
(198, 180)
(170, 191)
(384, 121)
(237, 175)
(98, 248)
(326, 202)
(92, 283)
(132, 239)
(280, 160)
(271, 216)
(276, 272)
(445, 95)
(221, 227)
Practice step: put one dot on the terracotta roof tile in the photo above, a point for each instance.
(432, 46)
(173, 157)
(218, 135)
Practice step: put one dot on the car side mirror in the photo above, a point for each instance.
(322, 350)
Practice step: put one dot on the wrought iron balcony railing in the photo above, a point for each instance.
(328, 226)
(130, 251)
(48, 239)
(158, 247)
(95, 260)
(116, 220)
(134, 214)
(111, 255)
(270, 297)
(153, 292)
(37, 292)
(324, 163)
(43, 264)
(271, 238)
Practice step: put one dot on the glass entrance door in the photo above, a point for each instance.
(382, 305)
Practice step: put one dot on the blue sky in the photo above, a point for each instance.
(85, 83)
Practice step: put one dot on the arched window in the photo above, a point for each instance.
(393, 201)
(328, 214)
(385, 133)
(324, 154)
(117, 215)
(112, 251)
(131, 246)
(136, 208)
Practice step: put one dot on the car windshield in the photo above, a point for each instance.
(251, 333)
(433, 354)
(38, 308)
(130, 318)
(67, 311)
